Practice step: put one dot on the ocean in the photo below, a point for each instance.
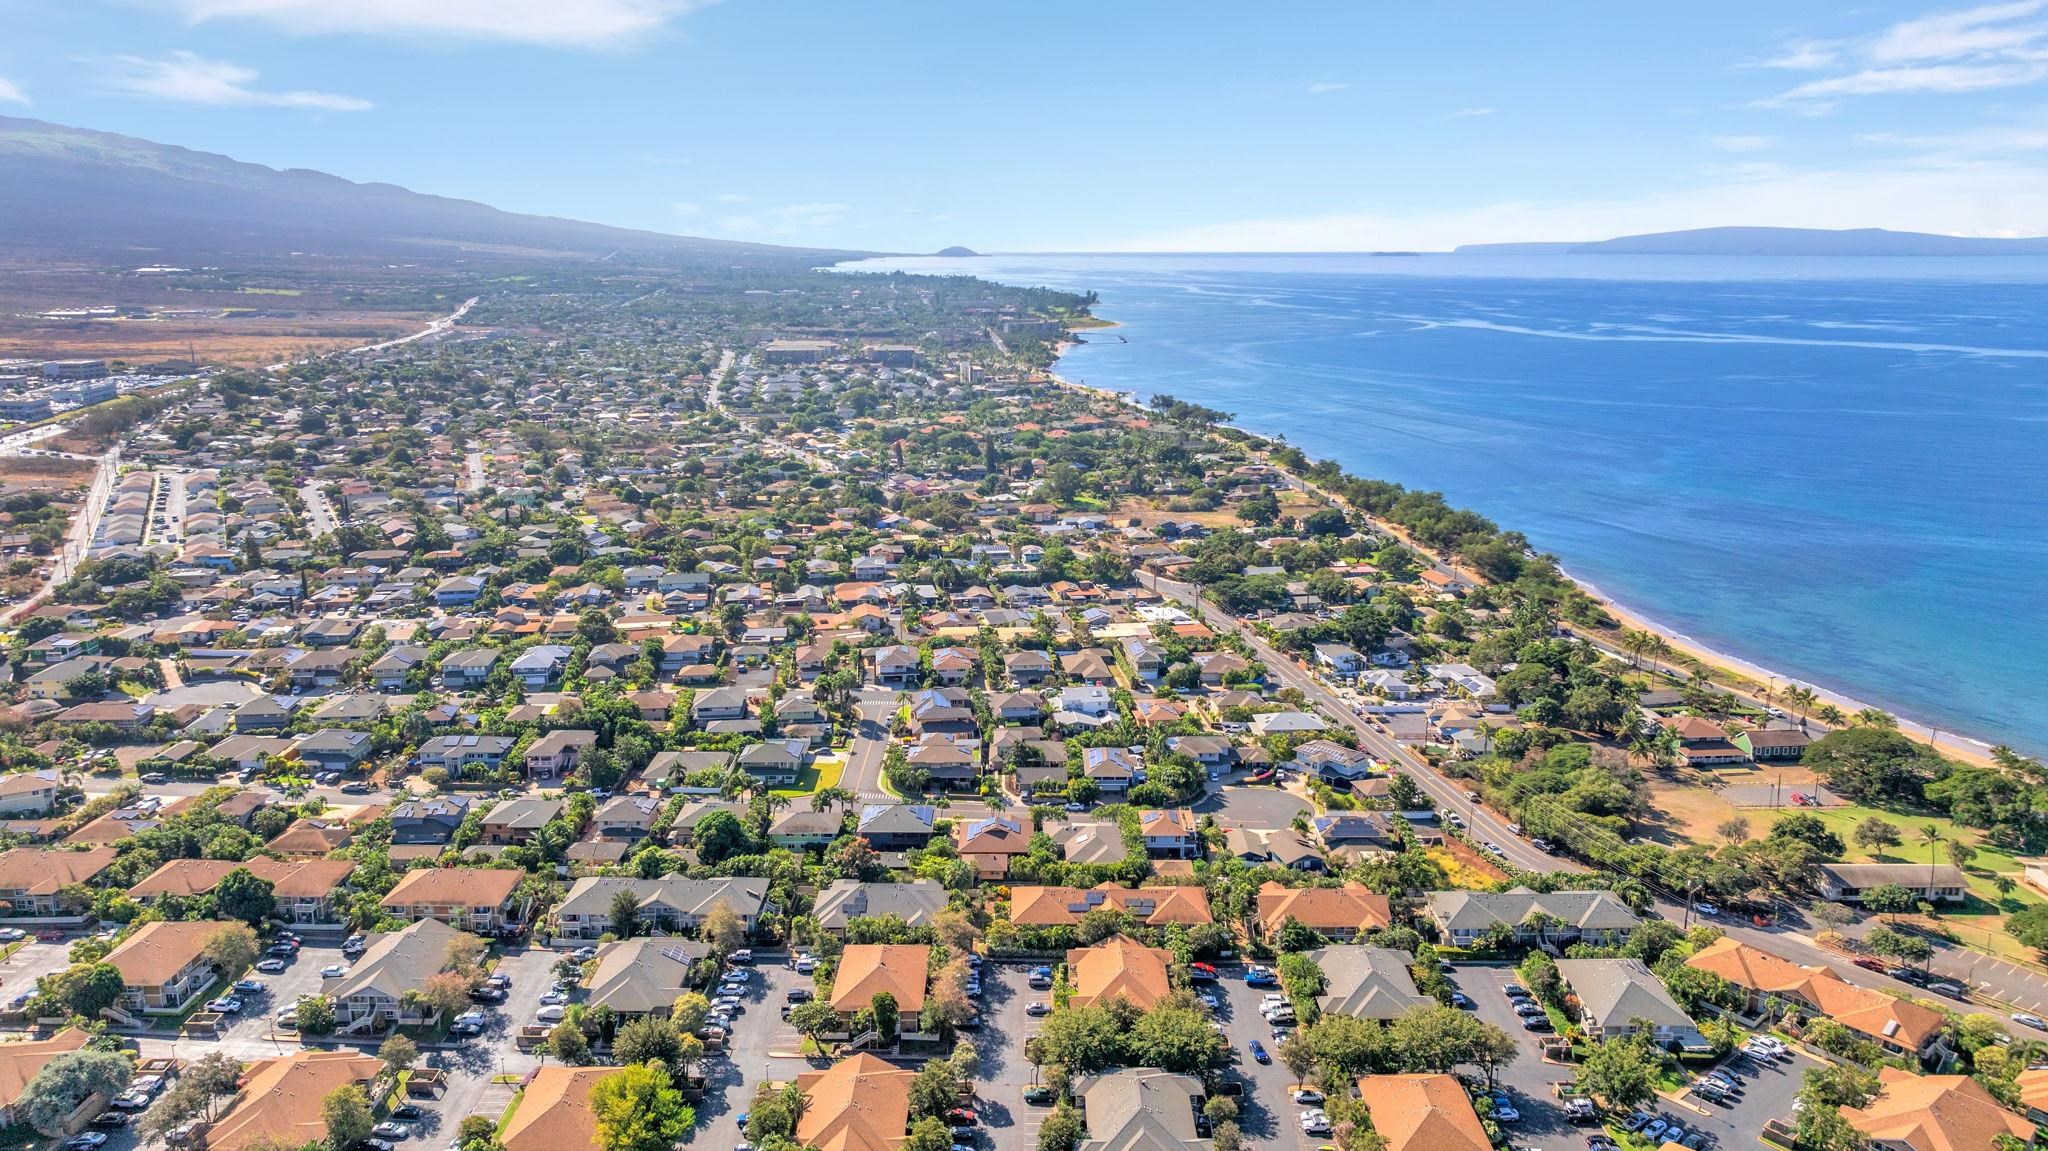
(1834, 469)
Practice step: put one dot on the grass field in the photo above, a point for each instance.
(820, 773)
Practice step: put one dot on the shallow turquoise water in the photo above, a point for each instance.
(1835, 469)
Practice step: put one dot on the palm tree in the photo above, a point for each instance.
(1876, 717)
(1801, 700)
(825, 797)
(1932, 837)
(1829, 714)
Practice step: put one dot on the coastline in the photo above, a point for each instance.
(1745, 678)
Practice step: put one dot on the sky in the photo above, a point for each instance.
(1055, 125)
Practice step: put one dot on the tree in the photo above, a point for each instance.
(934, 1091)
(2029, 925)
(1176, 1039)
(231, 948)
(444, 994)
(315, 1016)
(645, 1039)
(1259, 509)
(1889, 899)
(929, 1134)
(813, 1019)
(66, 1081)
(240, 894)
(1081, 1039)
(723, 929)
(399, 1053)
(1810, 830)
(1623, 1072)
(1875, 834)
(567, 1043)
(639, 1109)
(1734, 830)
(625, 915)
(883, 1006)
(346, 1113)
(690, 1010)
(1061, 1130)
(1438, 1039)
(81, 989)
(719, 836)
(1871, 763)
(1298, 1055)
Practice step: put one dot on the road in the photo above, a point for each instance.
(433, 328)
(863, 775)
(319, 513)
(78, 537)
(473, 470)
(1448, 796)
(714, 400)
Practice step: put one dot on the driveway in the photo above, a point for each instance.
(761, 1050)
(1256, 807)
(1007, 1122)
(1768, 1090)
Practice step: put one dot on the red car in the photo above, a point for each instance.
(1868, 963)
(49, 936)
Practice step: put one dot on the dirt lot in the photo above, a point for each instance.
(43, 473)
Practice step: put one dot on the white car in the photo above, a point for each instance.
(2033, 1021)
(1307, 1095)
(552, 1013)
(333, 971)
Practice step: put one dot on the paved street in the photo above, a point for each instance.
(863, 775)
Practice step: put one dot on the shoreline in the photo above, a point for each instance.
(1743, 677)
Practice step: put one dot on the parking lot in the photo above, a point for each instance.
(1527, 1079)
(761, 1049)
(1266, 1113)
(30, 962)
(1767, 1090)
(1007, 1122)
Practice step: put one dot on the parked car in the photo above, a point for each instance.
(1307, 1095)
(1540, 1023)
(390, 1130)
(798, 995)
(88, 1141)
(1870, 963)
(270, 966)
(1038, 1009)
(250, 986)
(333, 971)
(1040, 1096)
(743, 955)
(961, 1117)
(225, 1005)
(2033, 1021)
(553, 1013)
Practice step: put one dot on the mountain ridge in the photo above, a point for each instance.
(87, 195)
(1760, 241)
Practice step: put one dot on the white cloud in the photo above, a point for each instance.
(11, 92)
(185, 78)
(569, 23)
(1468, 113)
(1802, 57)
(1742, 143)
(1984, 198)
(1972, 50)
(1322, 86)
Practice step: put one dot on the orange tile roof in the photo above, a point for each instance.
(19, 1062)
(158, 951)
(467, 886)
(291, 878)
(1352, 907)
(41, 872)
(859, 1104)
(1935, 1113)
(1152, 906)
(279, 1105)
(1422, 1113)
(555, 1112)
(1119, 968)
(1880, 1016)
(868, 969)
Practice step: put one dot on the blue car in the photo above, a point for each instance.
(1259, 1052)
(1258, 979)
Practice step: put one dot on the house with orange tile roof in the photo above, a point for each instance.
(305, 889)
(478, 899)
(30, 878)
(989, 844)
(1339, 913)
(858, 1104)
(1119, 968)
(554, 1111)
(1422, 1113)
(279, 1104)
(19, 1063)
(866, 970)
(1933, 1113)
(311, 838)
(163, 966)
(1778, 986)
(1170, 833)
(1151, 906)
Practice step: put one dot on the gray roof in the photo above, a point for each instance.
(592, 895)
(897, 819)
(1615, 991)
(399, 962)
(1089, 840)
(915, 903)
(1368, 982)
(1911, 876)
(1478, 910)
(527, 813)
(1140, 1109)
(637, 976)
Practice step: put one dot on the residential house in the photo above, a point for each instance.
(1775, 744)
(22, 1060)
(866, 970)
(333, 749)
(306, 890)
(858, 1104)
(1934, 1113)
(776, 762)
(1281, 847)
(801, 827)
(516, 820)
(1618, 995)
(642, 977)
(373, 995)
(456, 754)
(30, 879)
(1597, 918)
(28, 792)
(1355, 834)
(1119, 968)
(1777, 986)
(1427, 1112)
(558, 752)
(1089, 840)
(1113, 769)
(989, 844)
(1368, 983)
(1171, 833)
(537, 666)
(719, 703)
(554, 1112)
(433, 820)
(1141, 1109)
(279, 1102)
(1150, 906)
(1339, 658)
(1850, 882)
(1340, 913)
(666, 906)
(896, 826)
(474, 899)
(916, 903)
(466, 670)
(895, 666)
(163, 967)
(1332, 761)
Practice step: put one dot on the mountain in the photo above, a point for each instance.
(956, 250)
(73, 194)
(1778, 242)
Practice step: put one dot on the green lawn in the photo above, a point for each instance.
(815, 776)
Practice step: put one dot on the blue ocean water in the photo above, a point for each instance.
(1835, 469)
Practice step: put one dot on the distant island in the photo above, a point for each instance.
(957, 250)
(1775, 242)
